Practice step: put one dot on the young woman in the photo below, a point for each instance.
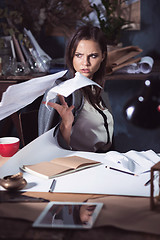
(83, 120)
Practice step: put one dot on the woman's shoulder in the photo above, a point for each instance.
(65, 77)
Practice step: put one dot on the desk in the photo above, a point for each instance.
(20, 229)
(14, 228)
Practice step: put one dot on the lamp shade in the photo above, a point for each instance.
(143, 110)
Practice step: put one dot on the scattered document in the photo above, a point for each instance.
(20, 95)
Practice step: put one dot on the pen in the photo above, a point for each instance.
(52, 185)
(133, 174)
(149, 181)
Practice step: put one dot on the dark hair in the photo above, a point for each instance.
(89, 32)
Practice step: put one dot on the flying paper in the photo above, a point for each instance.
(20, 95)
(69, 86)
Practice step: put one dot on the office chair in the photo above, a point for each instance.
(28, 126)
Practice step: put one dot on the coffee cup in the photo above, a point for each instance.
(9, 146)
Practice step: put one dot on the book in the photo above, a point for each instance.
(59, 166)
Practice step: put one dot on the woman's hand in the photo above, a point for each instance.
(67, 117)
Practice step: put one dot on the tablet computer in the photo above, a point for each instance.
(81, 215)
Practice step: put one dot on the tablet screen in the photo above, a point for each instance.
(68, 215)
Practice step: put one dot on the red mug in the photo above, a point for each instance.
(9, 146)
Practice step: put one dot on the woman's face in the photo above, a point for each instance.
(87, 58)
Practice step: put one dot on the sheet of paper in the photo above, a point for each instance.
(143, 66)
(133, 161)
(98, 180)
(69, 86)
(20, 95)
(146, 64)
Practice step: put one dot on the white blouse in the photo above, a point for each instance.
(89, 132)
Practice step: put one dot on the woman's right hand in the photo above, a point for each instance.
(67, 117)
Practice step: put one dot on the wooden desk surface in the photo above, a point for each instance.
(20, 78)
(22, 230)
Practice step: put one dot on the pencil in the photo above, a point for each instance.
(147, 183)
(116, 169)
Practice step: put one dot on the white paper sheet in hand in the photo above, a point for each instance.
(20, 95)
(69, 86)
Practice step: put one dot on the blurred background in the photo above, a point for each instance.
(125, 23)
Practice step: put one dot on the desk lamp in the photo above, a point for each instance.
(143, 110)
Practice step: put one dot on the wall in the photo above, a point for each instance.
(148, 37)
(128, 136)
